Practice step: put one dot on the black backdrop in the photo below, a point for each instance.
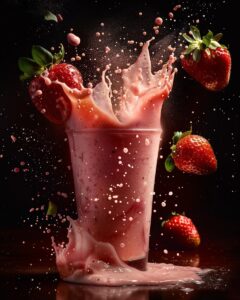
(211, 201)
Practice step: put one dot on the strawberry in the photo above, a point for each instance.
(181, 231)
(206, 60)
(47, 95)
(191, 154)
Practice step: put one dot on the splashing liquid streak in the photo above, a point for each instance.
(108, 244)
(140, 102)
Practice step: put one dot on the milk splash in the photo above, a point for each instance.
(140, 98)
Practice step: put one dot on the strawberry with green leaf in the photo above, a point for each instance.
(46, 70)
(191, 154)
(206, 60)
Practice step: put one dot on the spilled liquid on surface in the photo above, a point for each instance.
(87, 261)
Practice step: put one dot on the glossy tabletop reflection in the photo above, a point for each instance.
(27, 271)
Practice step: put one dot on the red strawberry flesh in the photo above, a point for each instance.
(206, 60)
(212, 71)
(182, 230)
(49, 96)
(195, 155)
(67, 74)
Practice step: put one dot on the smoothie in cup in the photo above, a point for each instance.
(114, 157)
(114, 173)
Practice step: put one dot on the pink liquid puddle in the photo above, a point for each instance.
(114, 156)
(87, 261)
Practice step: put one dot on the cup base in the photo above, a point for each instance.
(140, 264)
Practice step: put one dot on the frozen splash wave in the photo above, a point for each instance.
(139, 85)
(140, 97)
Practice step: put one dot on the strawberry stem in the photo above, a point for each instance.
(197, 44)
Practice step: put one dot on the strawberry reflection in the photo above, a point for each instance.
(68, 291)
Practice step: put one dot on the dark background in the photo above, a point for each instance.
(210, 201)
(27, 269)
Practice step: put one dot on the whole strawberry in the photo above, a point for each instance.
(191, 154)
(45, 89)
(206, 60)
(181, 231)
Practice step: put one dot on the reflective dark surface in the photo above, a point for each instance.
(27, 271)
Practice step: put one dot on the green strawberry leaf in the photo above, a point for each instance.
(49, 16)
(176, 137)
(191, 48)
(209, 35)
(173, 148)
(218, 37)
(207, 38)
(224, 46)
(29, 67)
(58, 57)
(208, 41)
(196, 55)
(42, 56)
(24, 76)
(52, 209)
(214, 45)
(41, 60)
(169, 164)
(188, 38)
(185, 133)
(195, 32)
